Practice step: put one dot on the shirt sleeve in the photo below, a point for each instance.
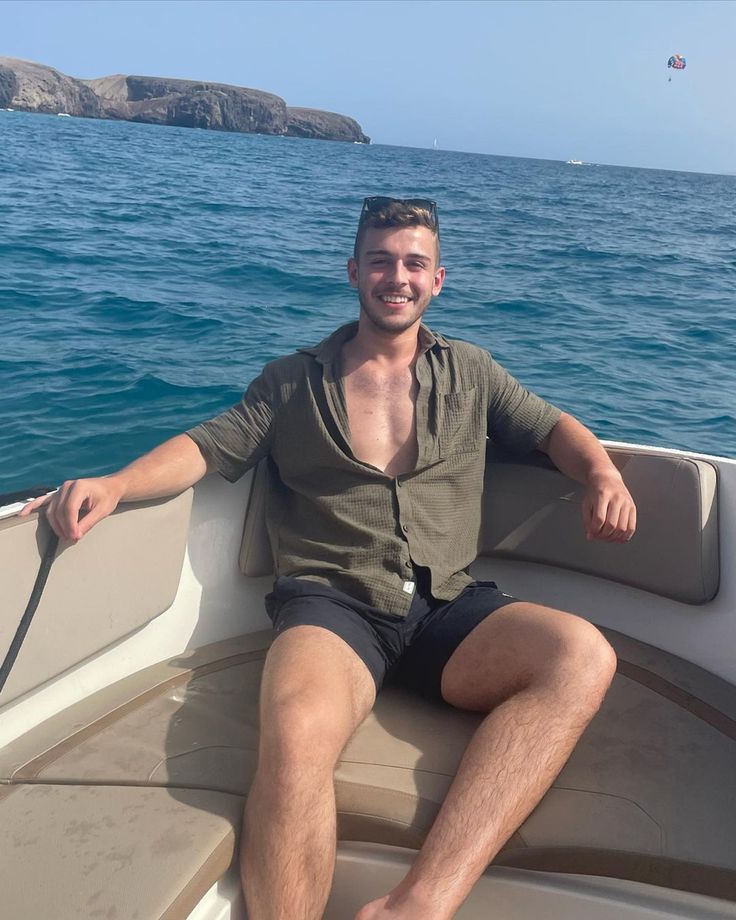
(518, 419)
(236, 440)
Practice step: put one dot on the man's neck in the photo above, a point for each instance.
(390, 348)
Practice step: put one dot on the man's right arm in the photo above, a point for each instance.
(79, 504)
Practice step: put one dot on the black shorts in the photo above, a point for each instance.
(411, 650)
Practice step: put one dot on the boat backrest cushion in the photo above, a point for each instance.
(532, 512)
(124, 573)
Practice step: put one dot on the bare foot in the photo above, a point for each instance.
(375, 910)
(389, 908)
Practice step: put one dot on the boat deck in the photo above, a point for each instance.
(126, 800)
(146, 779)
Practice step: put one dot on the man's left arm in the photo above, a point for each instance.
(609, 512)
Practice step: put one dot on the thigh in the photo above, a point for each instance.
(522, 644)
(315, 691)
(300, 602)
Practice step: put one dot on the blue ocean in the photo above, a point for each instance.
(147, 273)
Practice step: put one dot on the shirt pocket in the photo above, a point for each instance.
(461, 430)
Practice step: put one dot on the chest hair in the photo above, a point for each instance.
(383, 388)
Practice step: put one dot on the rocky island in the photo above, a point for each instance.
(32, 87)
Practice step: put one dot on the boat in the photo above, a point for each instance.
(129, 722)
(63, 115)
(574, 162)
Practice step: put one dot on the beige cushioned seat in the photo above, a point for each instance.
(112, 851)
(647, 794)
(531, 512)
(131, 798)
(129, 567)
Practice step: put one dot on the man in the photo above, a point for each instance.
(375, 441)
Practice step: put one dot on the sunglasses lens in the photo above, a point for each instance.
(376, 203)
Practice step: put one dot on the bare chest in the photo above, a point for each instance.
(382, 416)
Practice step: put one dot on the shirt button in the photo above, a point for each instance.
(405, 528)
(407, 564)
(398, 483)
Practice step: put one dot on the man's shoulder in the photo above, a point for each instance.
(298, 364)
(289, 367)
(465, 365)
(462, 350)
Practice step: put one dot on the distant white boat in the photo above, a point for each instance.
(574, 162)
(63, 115)
(435, 145)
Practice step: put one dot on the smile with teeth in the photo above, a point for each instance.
(394, 298)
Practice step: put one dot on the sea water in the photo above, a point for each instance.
(147, 273)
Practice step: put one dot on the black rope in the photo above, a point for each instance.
(25, 620)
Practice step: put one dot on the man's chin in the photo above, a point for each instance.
(395, 323)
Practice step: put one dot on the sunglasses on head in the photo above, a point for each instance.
(377, 202)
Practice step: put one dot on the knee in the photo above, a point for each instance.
(585, 663)
(299, 735)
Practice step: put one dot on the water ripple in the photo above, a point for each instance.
(146, 274)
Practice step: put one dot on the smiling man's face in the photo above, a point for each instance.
(396, 275)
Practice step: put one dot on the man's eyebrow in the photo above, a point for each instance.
(411, 255)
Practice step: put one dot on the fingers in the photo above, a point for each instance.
(632, 521)
(89, 520)
(75, 507)
(609, 517)
(49, 504)
(35, 504)
(63, 512)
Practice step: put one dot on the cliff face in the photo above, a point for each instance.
(8, 86)
(161, 101)
(189, 104)
(318, 124)
(36, 88)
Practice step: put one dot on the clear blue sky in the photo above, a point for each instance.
(556, 80)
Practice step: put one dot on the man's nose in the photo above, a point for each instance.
(398, 273)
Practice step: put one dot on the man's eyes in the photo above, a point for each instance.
(414, 265)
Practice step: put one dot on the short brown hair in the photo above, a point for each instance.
(382, 213)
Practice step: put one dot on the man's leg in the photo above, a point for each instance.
(315, 692)
(542, 674)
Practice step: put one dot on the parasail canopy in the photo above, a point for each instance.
(677, 62)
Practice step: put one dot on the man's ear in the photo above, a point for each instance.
(439, 280)
(353, 272)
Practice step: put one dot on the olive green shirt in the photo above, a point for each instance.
(337, 520)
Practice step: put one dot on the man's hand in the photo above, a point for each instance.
(78, 505)
(609, 512)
